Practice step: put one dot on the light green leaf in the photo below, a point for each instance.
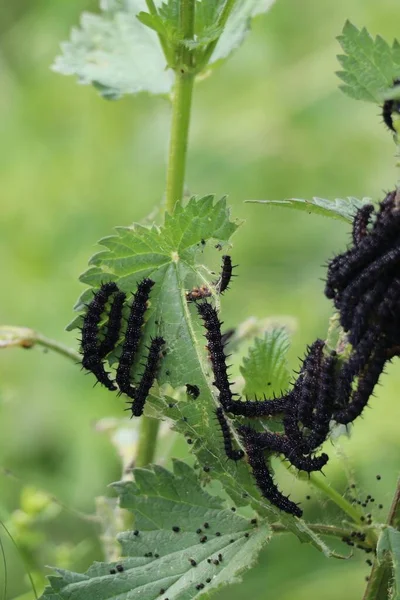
(161, 500)
(238, 25)
(168, 255)
(116, 52)
(388, 549)
(342, 209)
(265, 368)
(369, 66)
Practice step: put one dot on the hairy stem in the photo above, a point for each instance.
(181, 109)
(338, 499)
(147, 441)
(23, 337)
(378, 584)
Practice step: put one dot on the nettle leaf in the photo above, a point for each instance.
(177, 562)
(369, 66)
(388, 549)
(343, 209)
(116, 52)
(265, 368)
(168, 255)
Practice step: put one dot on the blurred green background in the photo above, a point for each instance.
(270, 123)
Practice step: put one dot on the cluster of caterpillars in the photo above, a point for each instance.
(364, 284)
(110, 300)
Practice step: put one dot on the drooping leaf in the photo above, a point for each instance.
(343, 209)
(388, 549)
(116, 52)
(265, 368)
(369, 66)
(169, 509)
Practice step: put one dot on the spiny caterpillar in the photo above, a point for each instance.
(113, 325)
(133, 335)
(89, 343)
(216, 351)
(141, 391)
(226, 274)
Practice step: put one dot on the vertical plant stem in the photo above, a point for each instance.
(378, 584)
(181, 109)
(147, 441)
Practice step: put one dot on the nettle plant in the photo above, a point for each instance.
(151, 301)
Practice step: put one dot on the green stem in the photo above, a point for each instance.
(24, 337)
(223, 18)
(381, 574)
(350, 510)
(321, 484)
(181, 108)
(147, 441)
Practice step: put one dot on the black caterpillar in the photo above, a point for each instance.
(226, 274)
(91, 349)
(216, 351)
(113, 325)
(133, 336)
(143, 388)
